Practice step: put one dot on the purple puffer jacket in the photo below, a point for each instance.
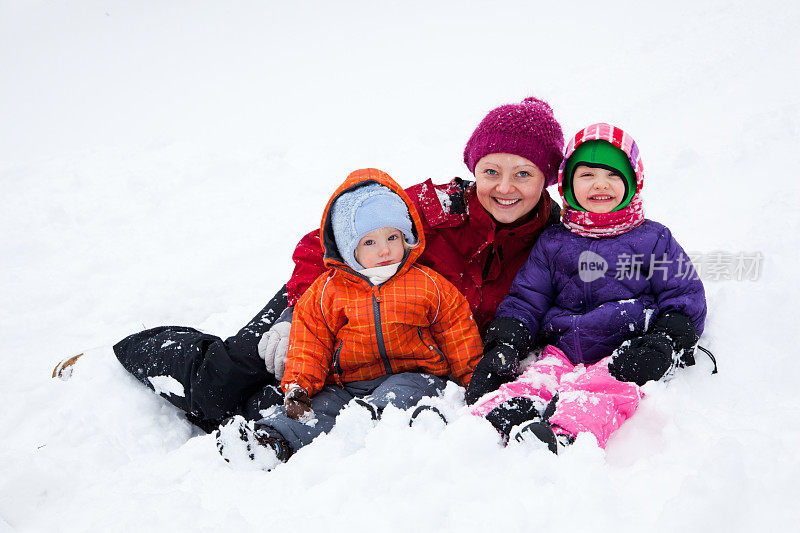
(563, 293)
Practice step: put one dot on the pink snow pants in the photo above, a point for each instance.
(589, 398)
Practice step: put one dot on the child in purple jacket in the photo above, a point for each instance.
(612, 294)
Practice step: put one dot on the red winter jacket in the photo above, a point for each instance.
(464, 245)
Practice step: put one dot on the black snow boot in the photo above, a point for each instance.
(244, 446)
(514, 412)
(538, 430)
(541, 430)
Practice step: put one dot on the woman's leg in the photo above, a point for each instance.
(201, 374)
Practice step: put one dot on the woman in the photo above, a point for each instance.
(478, 235)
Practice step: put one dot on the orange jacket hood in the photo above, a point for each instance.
(358, 178)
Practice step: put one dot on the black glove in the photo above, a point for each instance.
(484, 380)
(506, 339)
(682, 334)
(642, 359)
(670, 341)
(502, 359)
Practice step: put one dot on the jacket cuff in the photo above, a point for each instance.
(286, 316)
(302, 382)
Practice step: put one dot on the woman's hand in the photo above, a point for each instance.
(273, 348)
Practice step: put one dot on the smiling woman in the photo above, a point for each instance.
(508, 187)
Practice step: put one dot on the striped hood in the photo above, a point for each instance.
(611, 224)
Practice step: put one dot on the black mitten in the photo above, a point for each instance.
(682, 334)
(642, 359)
(506, 339)
(502, 359)
(484, 380)
(670, 341)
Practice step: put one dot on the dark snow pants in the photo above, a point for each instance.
(219, 378)
(401, 390)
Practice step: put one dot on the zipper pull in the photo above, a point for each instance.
(376, 293)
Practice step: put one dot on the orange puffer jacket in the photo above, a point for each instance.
(346, 329)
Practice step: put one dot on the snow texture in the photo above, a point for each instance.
(160, 160)
(166, 385)
(444, 199)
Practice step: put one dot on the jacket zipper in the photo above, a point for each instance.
(587, 294)
(376, 311)
(337, 365)
(576, 338)
(587, 297)
(430, 346)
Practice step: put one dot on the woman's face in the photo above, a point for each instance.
(508, 186)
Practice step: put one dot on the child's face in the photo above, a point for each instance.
(597, 190)
(381, 247)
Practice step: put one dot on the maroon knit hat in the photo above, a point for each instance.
(527, 129)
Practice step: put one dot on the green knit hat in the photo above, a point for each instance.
(599, 154)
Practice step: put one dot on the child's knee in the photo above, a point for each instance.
(406, 389)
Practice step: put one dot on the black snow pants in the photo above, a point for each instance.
(218, 378)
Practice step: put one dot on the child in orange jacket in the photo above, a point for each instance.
(375, 329)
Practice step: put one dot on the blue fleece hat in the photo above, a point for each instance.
(367, 208)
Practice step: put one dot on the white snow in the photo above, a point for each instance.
(167, 385)
(159, 161)
(648, 314)
(308, 418)
(444, 199)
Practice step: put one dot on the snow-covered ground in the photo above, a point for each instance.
(158, 161)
